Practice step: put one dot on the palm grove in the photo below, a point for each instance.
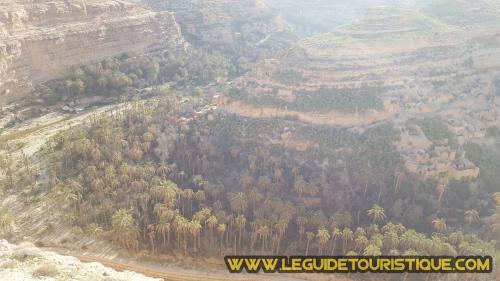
(169, 179)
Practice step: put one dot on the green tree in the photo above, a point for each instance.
(471, 216)
(238, 202)
(347, 235)
(372, 250)
(377, 213)
(94, 230)
(323, 237)
(439, 225)
(124, 229)
(309, 237)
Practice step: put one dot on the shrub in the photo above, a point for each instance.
(433, 128)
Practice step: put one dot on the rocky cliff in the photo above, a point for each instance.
(40, 40)
(226, 25)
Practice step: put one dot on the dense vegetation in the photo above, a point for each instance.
(434, 129)
(179, 178)
(344, 100)
(289, 76)
(323, 100)
(128, 74)
(165, 180)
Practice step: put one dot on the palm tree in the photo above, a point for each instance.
(163, 229)
(93, 230)
(163, 170)
(372, 250)
(202, 216)
(471, 216)
(263, 233)
(188, 194)
(360, 242)
(195, 230)
(336, 234)
(391, 240)
(200, 196)
(496, 197)
(181, 231)
(221, 229)
(495, 221)
(124, 229)
(323, 237)
(359, 232)
(299, 186)
(347, 235)
(301, 222)
(372, 230)
(254, 198)
(240, 222)
(238, 202)
(281, 227)
(456, 238)
(65, 195)
(212, 223)
(439, 224)
(152, 236)
(377, 213)
(309, 237)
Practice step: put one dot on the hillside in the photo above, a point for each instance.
(43, 40)
(392, 62)
(231, 27)
(394, 65)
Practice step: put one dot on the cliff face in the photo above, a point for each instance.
(40, 40)
(222, 23)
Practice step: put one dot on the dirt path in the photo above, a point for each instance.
(170, 274)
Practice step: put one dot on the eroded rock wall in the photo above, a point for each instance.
(41, 40)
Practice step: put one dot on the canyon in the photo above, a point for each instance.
(42, 40)
(315, 110)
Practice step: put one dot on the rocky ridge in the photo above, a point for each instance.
(222, 24)
(41, 40)
(26, 263)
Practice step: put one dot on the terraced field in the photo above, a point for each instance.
(398, 58)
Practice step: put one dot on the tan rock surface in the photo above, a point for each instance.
(40, 40)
